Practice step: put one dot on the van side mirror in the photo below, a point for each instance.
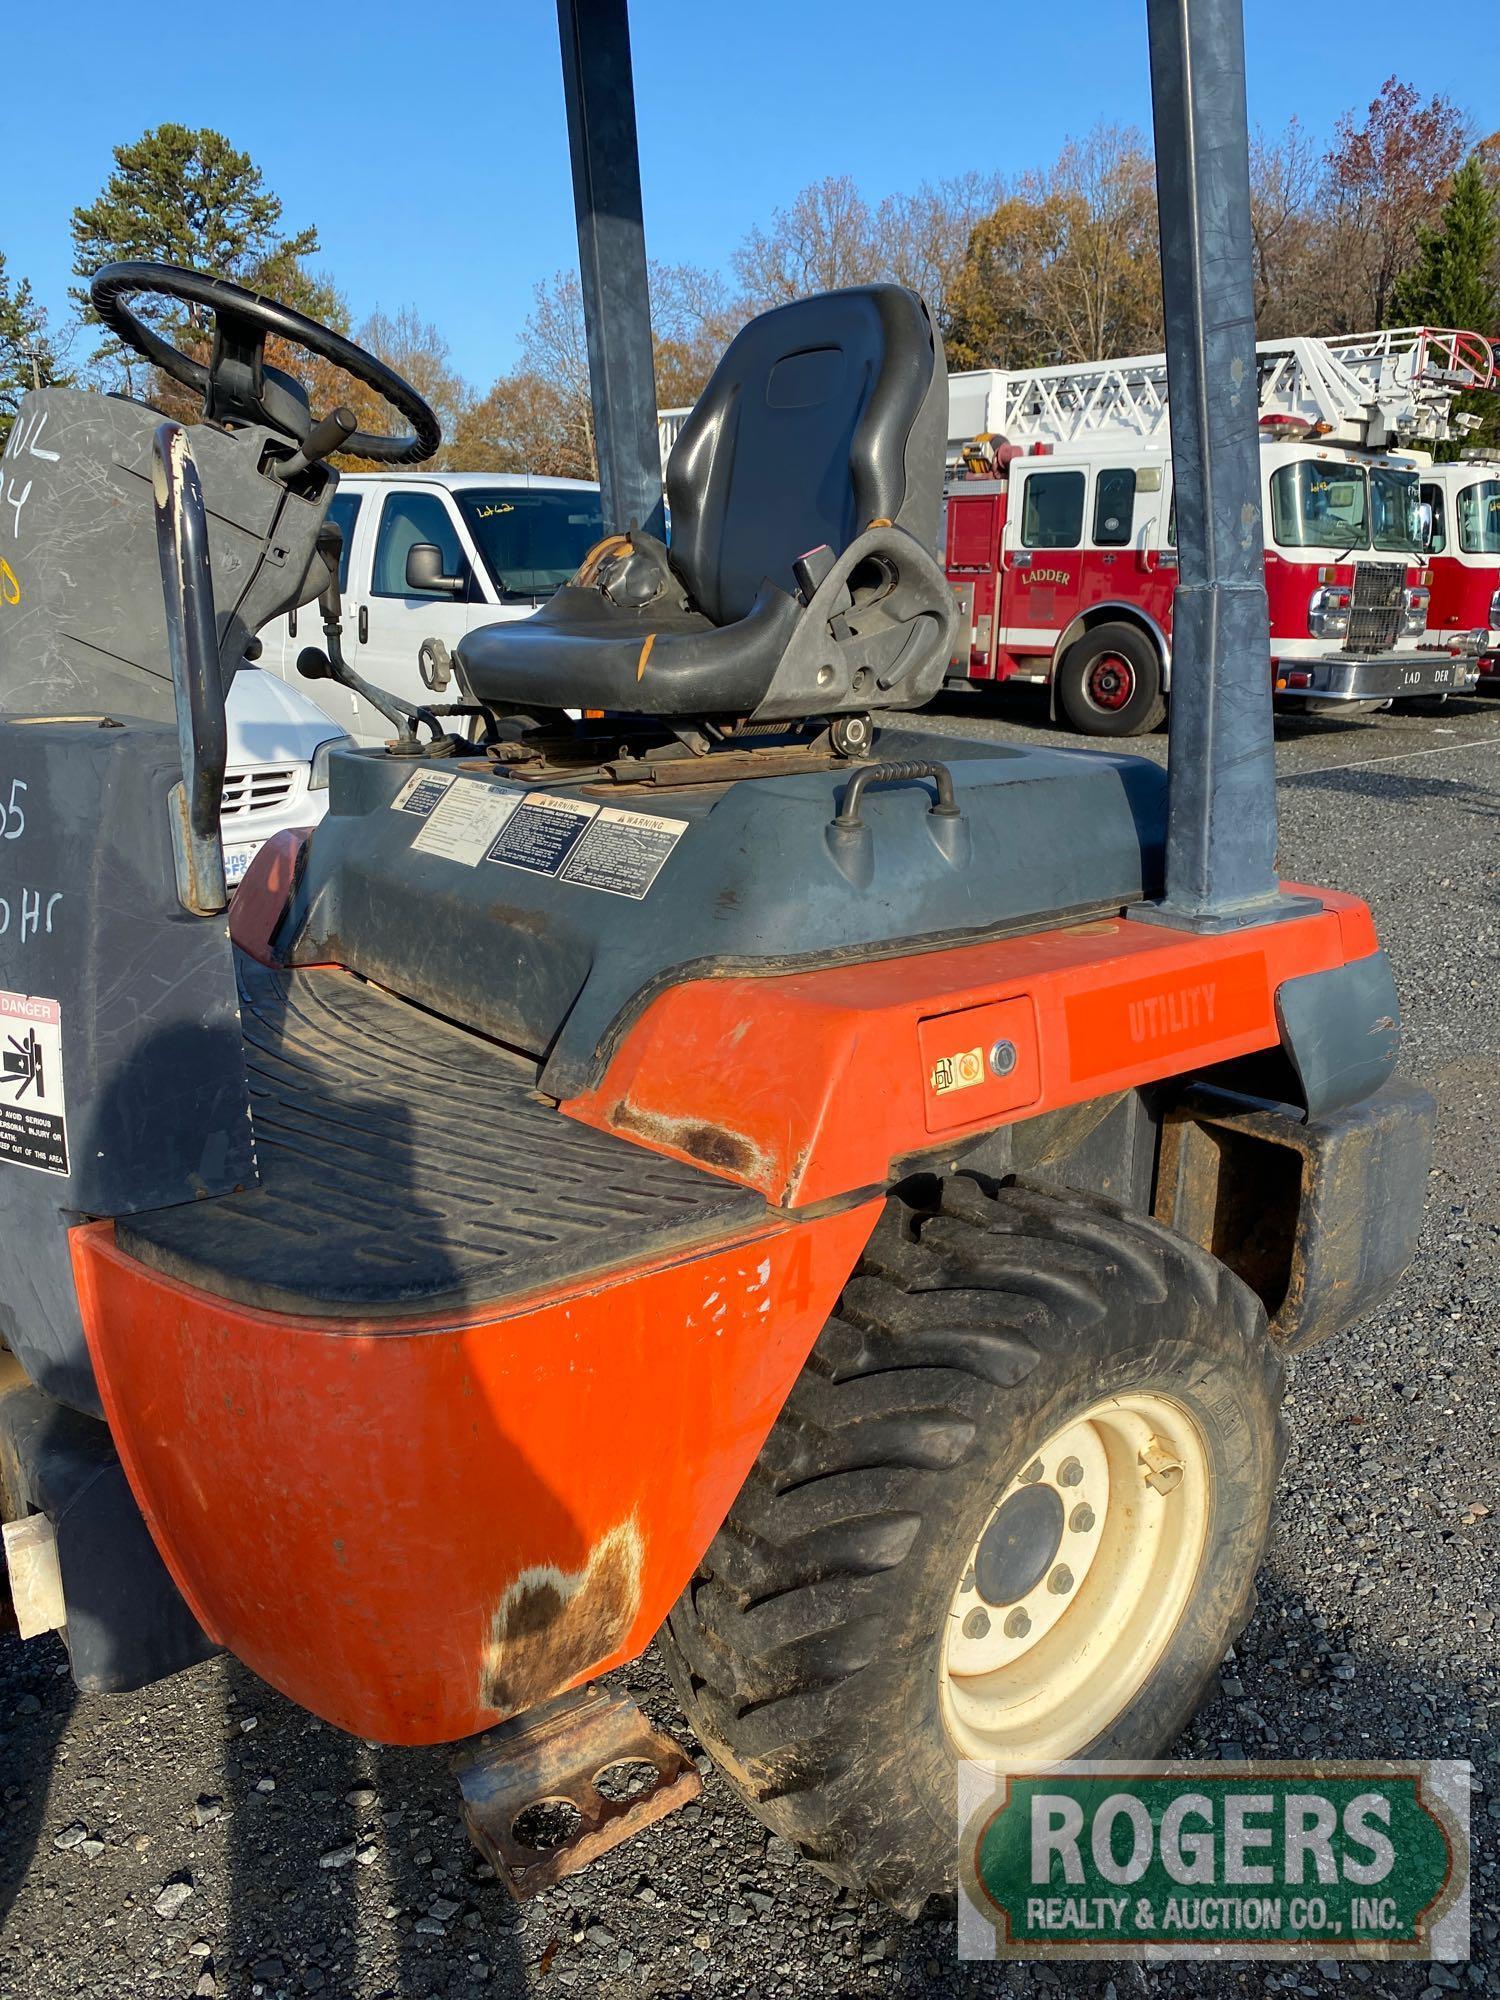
(1424, 523)
(424, 572)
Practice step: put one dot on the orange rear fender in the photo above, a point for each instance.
(416, 1529)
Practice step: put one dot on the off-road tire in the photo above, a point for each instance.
(1146, 704)
(806, 1649)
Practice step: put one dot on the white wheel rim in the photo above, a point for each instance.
(1035, 1677)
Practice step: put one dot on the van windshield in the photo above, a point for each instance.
(531, 538)
(1478, 512)
(1394, 501)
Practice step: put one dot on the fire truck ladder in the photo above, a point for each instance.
(1371, 390)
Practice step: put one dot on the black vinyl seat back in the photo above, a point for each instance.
(822, 417)
(821, 433)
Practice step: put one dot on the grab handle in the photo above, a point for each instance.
(197, 684)
(944, 807)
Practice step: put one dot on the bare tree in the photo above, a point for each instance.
(826, 239)
(1285, 176)
(922, 239)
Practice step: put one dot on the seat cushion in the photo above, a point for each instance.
(822, 416)
(582, 651)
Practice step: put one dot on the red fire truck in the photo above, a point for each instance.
(1061, 536)
(1463, 495)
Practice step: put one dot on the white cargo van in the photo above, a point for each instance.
(507, 541)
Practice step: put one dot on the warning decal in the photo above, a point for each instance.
(464, 822)
(541, 833)
(957, 1072)
(33, 1112)
(622, 852)
(421, 793)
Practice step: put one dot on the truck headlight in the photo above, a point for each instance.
(1414, 623)
(317, 780)
(1328, 611)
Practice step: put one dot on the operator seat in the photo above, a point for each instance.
(804, 493)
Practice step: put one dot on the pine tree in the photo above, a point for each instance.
(180, 196)
(28, 356)
(1453, 283)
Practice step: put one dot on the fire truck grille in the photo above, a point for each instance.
(257, 790)
(1379, 606)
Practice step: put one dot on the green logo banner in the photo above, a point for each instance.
(1195, 1860)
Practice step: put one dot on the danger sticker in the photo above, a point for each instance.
(622, 852)
(958, 1072)
(421, 793)
(33, 1109)
(465, 820)
(542, 833)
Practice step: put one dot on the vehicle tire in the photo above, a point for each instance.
(822, 1653)
(1109, 682)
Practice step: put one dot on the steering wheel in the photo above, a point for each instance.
(238, 386)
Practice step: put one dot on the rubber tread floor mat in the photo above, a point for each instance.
(406, 1165)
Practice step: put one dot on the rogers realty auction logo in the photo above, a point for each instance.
(1263, 1860)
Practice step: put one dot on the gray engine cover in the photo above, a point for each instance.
(757, 880)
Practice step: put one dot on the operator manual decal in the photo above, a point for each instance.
(420, 793)
(465, 820)
(622, 852)
(33, 1112)
(541, 833)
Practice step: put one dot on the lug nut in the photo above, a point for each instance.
(1018, 1624)
(1082, 1518)
(977, 1624)
(1070, 1473)
(1061, 1580)
(1032, 1473)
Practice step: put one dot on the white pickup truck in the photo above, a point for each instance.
(507, 541)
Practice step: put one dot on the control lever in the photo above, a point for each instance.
(316, 665)
(328, 435)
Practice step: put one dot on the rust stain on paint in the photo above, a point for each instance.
(553, 1625)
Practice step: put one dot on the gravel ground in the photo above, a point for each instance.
(207, 1838)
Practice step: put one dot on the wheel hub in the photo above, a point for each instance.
(1076, 1582)
(1020, 1545)
(1111, 681)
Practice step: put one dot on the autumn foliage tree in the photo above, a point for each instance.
(1065, 267)
(1385, 179)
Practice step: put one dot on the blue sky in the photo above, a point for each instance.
(427, 143)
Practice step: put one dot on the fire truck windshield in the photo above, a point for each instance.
(1395, 499)
(1478, 511)
(1320, 504)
